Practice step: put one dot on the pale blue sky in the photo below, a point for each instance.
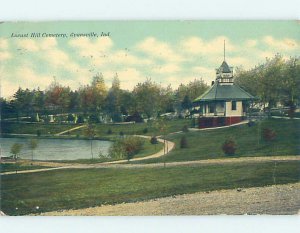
(168, 52)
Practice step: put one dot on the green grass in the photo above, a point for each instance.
(208, 144)
(74, 189)
(22, 128)
(8, 167)
(138, 128)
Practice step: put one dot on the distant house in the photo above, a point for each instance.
(225, 103)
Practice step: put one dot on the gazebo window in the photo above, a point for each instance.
(233, 105)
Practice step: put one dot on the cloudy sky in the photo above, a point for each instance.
(168, 52)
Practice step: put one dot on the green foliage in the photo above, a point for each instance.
(145, 130)
(229, 147)
(153, 140)
(70, 117)
(16, 149)
(126, 147)
(183, 142)
(277, 80)
(109, 131)
(268, 134)
(38, 133)
(185, 129)
(80, 119)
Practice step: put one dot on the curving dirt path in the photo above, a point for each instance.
(275, 199)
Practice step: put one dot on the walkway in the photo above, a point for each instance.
(70, 130)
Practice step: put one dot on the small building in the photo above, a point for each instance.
(225, 103)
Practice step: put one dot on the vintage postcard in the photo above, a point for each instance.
(148, 118)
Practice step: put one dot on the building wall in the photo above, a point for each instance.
(237, 112)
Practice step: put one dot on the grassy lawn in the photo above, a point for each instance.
(22, 128)
(73, 189)
(8, 167)
(138, 128)
(208, 144)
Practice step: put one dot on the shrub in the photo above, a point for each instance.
(121, 133)
(80, 119)
(185, 128)
(38, 133)
(229, 147)
(153, 140)
(268, 134)
(145, 130)
(126, 147)
(251, 123)
(109, 131)
(94, 118)
(183, 142)
(70, 117)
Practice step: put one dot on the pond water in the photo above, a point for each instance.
(57, 149)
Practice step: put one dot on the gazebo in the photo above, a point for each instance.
(225, 103)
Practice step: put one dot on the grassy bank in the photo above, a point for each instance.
(208, 144)
(33, 128)
(111, 130)
(74, 189)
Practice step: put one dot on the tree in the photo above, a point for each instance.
(113, 100)
(229, 147)
(58, 97)
(147, 95)
(33, 143)
(90, 133)
(16, 149)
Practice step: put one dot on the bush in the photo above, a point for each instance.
(126, 147)
(94, 118)
(145, 130)
(185, 129)
(38, 133)
(109, 131)
(251, 123)
(121, 133)
(268, 134)
(80, 119)
(153, 140)
(229, 147)
(183, 142)
(70, 117)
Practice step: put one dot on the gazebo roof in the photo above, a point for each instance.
(224, 92)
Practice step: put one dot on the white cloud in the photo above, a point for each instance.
(284, 44)
(251, 43)
(28, 44)
(92, 48)
(4, 56)
(203, 72)
(128, 77)
(196, 45)
(3, 43)
(157, 49)
(167, 69)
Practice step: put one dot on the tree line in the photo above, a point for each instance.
(147, 99)
(275, 82)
